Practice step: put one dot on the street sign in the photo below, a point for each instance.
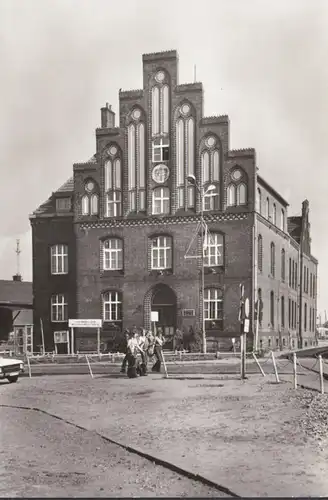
(246, 308)
(85, 323)
(154, 316)
(246, 325)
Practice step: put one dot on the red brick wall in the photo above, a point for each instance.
(185, 281)
(45, 233)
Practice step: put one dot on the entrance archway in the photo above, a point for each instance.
(164, 301)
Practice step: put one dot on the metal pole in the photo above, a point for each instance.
(72, 340)
(203, 269)
(322, 385)
(98, 341)
(295, 370)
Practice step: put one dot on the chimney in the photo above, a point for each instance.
(17, 277)
(107, 117)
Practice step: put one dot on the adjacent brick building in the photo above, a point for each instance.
(111, 242)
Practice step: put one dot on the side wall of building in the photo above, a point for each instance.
(45, 233)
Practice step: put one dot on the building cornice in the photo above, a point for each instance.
(159, 221)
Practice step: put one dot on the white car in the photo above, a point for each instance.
(11, 369)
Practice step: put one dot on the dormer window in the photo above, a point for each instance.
(161, 150)
(63, 204)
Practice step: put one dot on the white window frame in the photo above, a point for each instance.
(61, 337)
(161, 200)
(231, 195)
(94, 204)
(158, 149)
(85, 205)
(239, 201)
(115, 202)
(113, 254)
(161, 253)
(209, 200)
(112, 306)
(59, 303)
(59, 259)
(213, 250)
(212, 304)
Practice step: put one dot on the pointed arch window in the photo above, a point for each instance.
(90, 199)
(113, 183)
(160, 105)
(267, 208)
(237, 189)
(136, 163)
(274, 214)
(260, 253)
(273, 259)
(283, 265)
(259, 201)
(185, 154)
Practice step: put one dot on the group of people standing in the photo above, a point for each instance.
(139, 347)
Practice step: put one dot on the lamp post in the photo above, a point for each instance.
(202, 192)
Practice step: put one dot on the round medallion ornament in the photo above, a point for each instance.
(89, 186)
(136, 114)
(236, 175)
(210, 141)
(185, 109)
(160, 174)
(112, 151)
(160, 76)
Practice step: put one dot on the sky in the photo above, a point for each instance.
(263, 63)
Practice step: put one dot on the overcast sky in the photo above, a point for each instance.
(262, 62)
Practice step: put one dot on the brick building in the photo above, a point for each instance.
(111, 242)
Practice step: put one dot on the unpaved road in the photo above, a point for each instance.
(255, 437)
(42, 456)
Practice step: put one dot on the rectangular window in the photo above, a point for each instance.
(211, 201)
(213, 250)
(114, 204)
(112, 254)
(59, 259)
(161, 150)
(213, 308)
(289, 314)
(283, 312)
(290, 273)
(61, 337)
(161, 252)
(59, 308)
(63, 204)
(161, 201)
(112, 306)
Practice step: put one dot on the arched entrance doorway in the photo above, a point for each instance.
(165, 303)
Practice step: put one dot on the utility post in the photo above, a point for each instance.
(244, 329)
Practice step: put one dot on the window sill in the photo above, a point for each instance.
(109, 273)
(59, 321)
(161, 272)
(213, 269)
(114, 325)
(59, 274)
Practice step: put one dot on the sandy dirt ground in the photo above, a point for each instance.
(254, 437)
(42, 456)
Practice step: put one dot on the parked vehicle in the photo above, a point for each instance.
(11, 369)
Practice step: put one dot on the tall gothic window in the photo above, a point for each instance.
(237, 189)
(185, 154)
(113, 183)
(136, 163)
(260, 253)
(90, 199)
(272, 259)
(259, 201)
(210, 172)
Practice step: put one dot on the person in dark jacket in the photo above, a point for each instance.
(158, 346)
(125, 359)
